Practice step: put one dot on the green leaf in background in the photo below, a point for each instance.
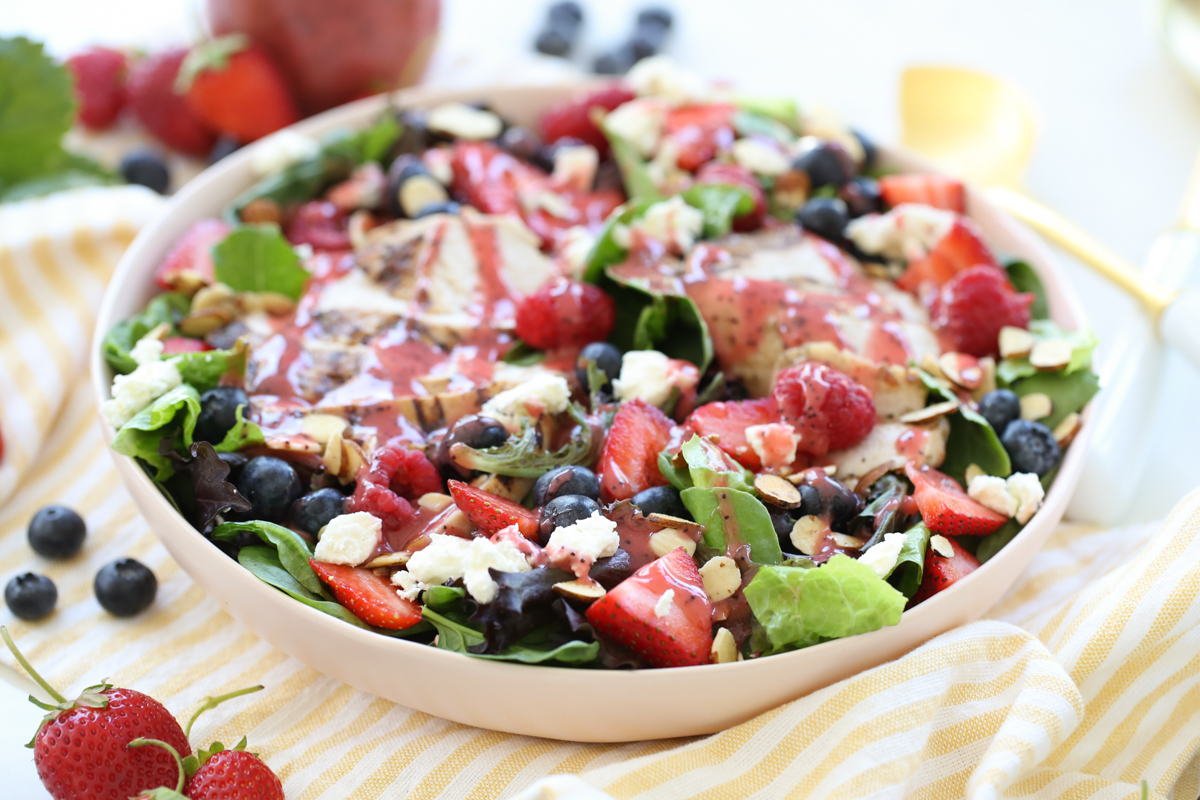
(634, 173)
(910, 563)
(139, 437)
(720, 204)
(1025, 278)
(243, 434)
(728, 510)
(167, 308)
(256, 258)
(781, 109)
(377, 140)
(1069, 393)
(294, 550)
(752, 123)
(992, 543)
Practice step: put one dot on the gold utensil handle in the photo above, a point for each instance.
(1082, 245)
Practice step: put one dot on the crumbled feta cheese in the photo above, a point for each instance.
(448, 558)
(280, 150)
(663, 606)
(577, 246)
(942, 546)
(644, 374)
(992, 492)
(134, 392)
(672, 222)
(147, 351)
(408, 586)
(541, 394)
(639, 122)
(1027, 490)
(575, 167)
(906, 233)
(760, 157)
(659, 76)
(464, 121)
(882, 556)
(593, 537)
(774, 443)
(721, 577)
(349, 539)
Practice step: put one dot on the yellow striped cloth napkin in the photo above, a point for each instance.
(1084, 683)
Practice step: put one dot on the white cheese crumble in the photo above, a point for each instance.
(448, 558)
(906, 233)
(541, 394)
(575, 167)
(639, 122)
(672, 222)
(577, 246)
(644, 374)
(659, 76)
(280, 150)
(593, 537)
(721, 577)
(882, 557)
(464, 121)
(992, 492)
(663, 606)
(408, 587)
(942, 546)
(349, 539)
(147, 351)
(1028, 492)
(774, 443)
(133, 393)
(760, 157)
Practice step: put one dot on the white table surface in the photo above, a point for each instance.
(1118, 129)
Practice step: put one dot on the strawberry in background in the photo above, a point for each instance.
(100, 74)
(235, 87)
(162, 112)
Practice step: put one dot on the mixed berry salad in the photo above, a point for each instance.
(678, 376)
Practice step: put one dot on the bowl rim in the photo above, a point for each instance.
(1064, 301)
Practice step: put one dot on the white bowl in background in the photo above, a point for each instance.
(553, 702)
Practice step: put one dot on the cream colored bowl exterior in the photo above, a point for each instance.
(580, 705)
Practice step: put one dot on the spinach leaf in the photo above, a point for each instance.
(720, 205)
(910, 564)
(256, 258)
(140, 437)
(972, 439)
(294, 550)
(523, 355)
(167, 308)
(740, 511)
(444, 597)
(1069, 392)
(454, 632)
(606, 252)
(1026, 279)
(992, 543)
(634, 173)
(204, 370)
(243, 434)
(531, 651)
(647, 320)
(523, 456)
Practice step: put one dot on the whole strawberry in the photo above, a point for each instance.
(80, 750)
(161, 111)
(99, 74)
(234, 775)
(236, 88)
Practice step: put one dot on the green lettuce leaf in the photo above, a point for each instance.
(244, 433)
(753, 123)
(910, 564)
(634, 173)
(204, 370)
(37, 107)
(726, 510)
(1083, 343)
(720, 205)
(139, 438)
(168, 308)
(294, 550)
(256, 258)
(523, 456)
(800, 607)
(708, 467)
(781, 109)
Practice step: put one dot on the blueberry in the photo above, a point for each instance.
(861, 196)
(565, 510)
(783, 521)
(146, 167)
(410, 187)
(661, 500)
(30, 596)
(566, 13)
(870, 151)
(608, 361)
(999, 408)
(844, 505)
(314, 510)
(826, 163)
(645, 43)
(235, 461)
(825, 216)
(125, 587)
(415, 136)
(615, 63)
(475, 432)
(553, 42)
(271, 486)
(56, 532)
(448, 207)
(658, 16)
(523, 143)
(608, 572)
(225, 146)
(218, 413)
(1031, 446)
(811, 502)
(563, 481)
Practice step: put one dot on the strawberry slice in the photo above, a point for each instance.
(700, 132)
(629, 459)
(938, 191)
(960, 249)
(189, 266)
(946, 508)
(369, 597)
(630, 613)
(941, 572)
(725, 424)
(573, 119)
(492, 513)
(173, 345)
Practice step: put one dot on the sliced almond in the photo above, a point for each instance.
(721, 577)
(388, 560)
(830, 469)
(359, 223)
(1016, 342)
(848, 542)
(160, 332)
(988, 365)
(262, 209)
(1066, 430)
(1051, 354)
(974, 471)
(332, 458)
(583, 591)
(435, 384)
(200, 325)
(930, 412)
(293, 444)
(1036, 406)
(669, 540)
(216, 295)
(961, 369)
(270, 302)
(694, 529)
(435, 501)
(930, 364)
(352, 459)
(942, 546)
(806, 534)
(322, 427)
(777, 491)
(724, 648)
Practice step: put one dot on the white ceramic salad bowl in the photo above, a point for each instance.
(560, 703)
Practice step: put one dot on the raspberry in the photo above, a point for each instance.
(573, 119)
(394, 474)
(565, 313)
(973, 306)
(830, 410)
(99, 74)
(320, 224)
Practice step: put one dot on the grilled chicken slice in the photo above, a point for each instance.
(893, 443)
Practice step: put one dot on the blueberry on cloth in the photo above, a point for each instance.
(56, 532)
(30, 596)
(125, 587)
